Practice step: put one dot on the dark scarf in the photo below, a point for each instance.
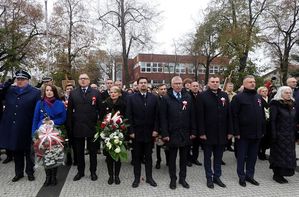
(50, 101)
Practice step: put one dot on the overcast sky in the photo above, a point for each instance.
(178, 18)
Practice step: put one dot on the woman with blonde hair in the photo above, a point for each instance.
(283, 129)
(113, 104)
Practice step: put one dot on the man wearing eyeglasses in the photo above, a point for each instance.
(83, 108)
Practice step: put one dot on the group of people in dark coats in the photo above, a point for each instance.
(181, 118)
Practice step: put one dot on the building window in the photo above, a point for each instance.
(157, 68)
(180, 69)
(157, 82)
(214, 69)
(169, 68)
(145, 67)
(191, 69)
(201, 69)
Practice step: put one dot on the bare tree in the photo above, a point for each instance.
(132, 21)
(71, 33)
(282, 32)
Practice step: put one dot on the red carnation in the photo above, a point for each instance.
(113, 127)
(118, 121)
(123, 127)
(103, 125)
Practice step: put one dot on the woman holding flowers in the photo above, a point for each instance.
(49, 110)
(113, 106)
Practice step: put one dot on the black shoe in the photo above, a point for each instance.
(223, 163)
(93, 177)
(217, 181)
(135, 184)
(17, 177)
(278, 179)
(284, 180)
(31, 177)
(262, 156)
(110, 180)
(117, 180)
(242, 183)
(210, 184)
(7, 160)
(78, 177)
(172, 185)
(184, 184)
(196, 162)
(230, 149)
(158, 166)
(151, 182)
(252, 181)
(189, 164)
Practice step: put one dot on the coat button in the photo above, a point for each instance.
(18, 98)
(14, 122)
(15, 114)
(16, 105)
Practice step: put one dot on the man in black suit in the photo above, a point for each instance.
(142, 110)
(83, 108)
(162, 91)
(215, 127)
(249, 126)
(177, 122)
(106, 93)
(193, 150)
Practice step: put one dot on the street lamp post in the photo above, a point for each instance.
(47, 35)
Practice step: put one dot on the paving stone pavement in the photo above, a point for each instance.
(195, 177)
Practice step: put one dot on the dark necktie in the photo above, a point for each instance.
(144, 99)
(179, 96)
(84, 90)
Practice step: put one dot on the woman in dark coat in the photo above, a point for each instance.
(113, 104)
(283, 127)
(53, 108)
(265, 141)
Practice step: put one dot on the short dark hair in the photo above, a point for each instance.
(54, 89)
(142, 78)
(214, 76)
(160, 85)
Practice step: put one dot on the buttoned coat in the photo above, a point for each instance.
(214, 117)
(177, 119)
(248, 115)
(16, 123)
(142, 115)
(82, 112)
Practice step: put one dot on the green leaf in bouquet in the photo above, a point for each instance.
(96, 136)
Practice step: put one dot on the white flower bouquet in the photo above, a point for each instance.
(48, 145)
(111, 131)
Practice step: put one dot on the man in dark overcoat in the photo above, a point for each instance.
(162, 91)
(178, 127)
(16, 123)
(142, 110)
(82, 116)
(106, 93)
(215, 127)
(193, 151)
(249, 126)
